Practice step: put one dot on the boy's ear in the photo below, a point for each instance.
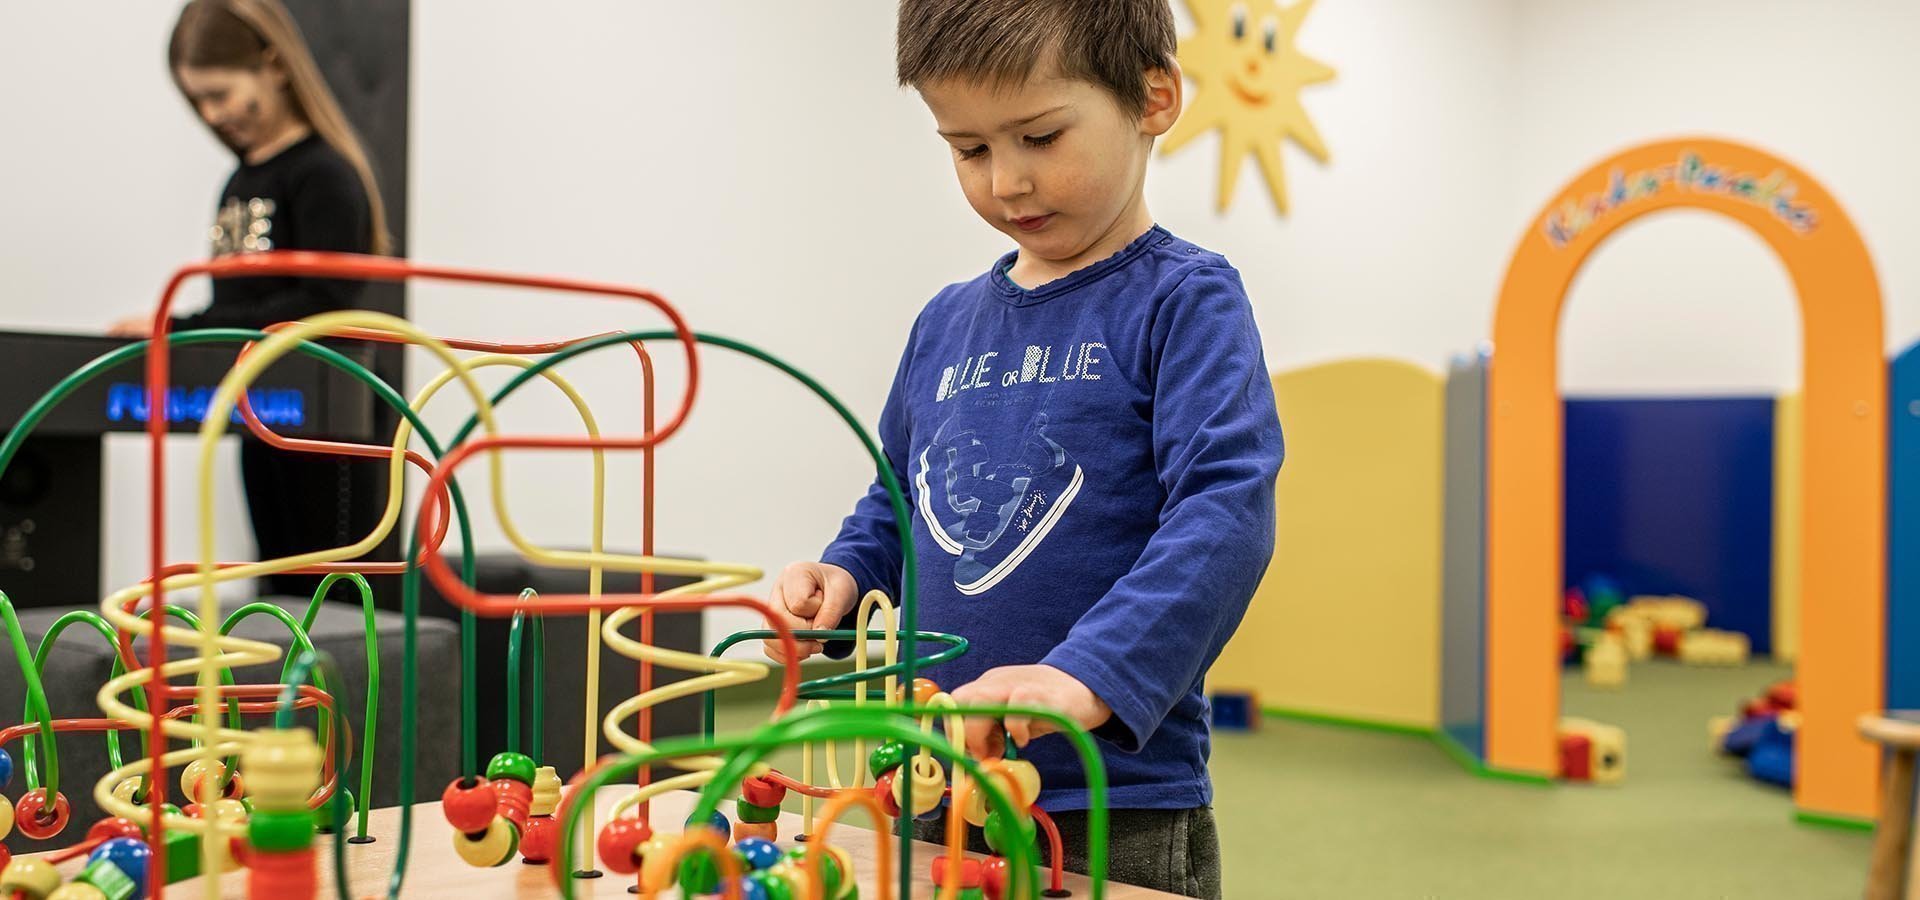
(1165, 94)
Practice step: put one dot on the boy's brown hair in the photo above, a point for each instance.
(1111, 43)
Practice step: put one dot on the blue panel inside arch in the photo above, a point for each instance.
(1675, 496)
(1903, 533)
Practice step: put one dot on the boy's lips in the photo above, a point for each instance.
(1032, 223)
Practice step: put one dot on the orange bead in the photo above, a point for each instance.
(883, 792)
(618, 843)
(970, 872)
(767, 831)
(539, 839)
(923, 691)
(513, 799)
(38, 818)
(468, 803)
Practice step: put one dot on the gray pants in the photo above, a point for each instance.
(1171, 850)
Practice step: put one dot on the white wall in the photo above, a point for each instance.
(1690, 302)
(758, 167)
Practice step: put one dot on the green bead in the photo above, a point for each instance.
(1024, 824)
(323, 816)
(830, 874)
(517, 766)
(972, 894)
(108, 878)
(171, 809)
(699, 874)
(776, 887)
(274, 831)
(755, 814)
(886, 756)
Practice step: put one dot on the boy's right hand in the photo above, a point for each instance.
(810, 595)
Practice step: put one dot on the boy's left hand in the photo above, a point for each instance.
(1042, 686)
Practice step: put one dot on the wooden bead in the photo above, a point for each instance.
(619, 844)
(512, 800)
(993, 877)
(883, 792)
(39, 819)
(6, 769)
(928, 783)
(128, 790)
(923, 691)
(210, 771)
(974, 807)
(761, 791)
(766, 831)
(1023, 831)
(77, 890)
(835, 868)
(131, 856)
(970, 873)
(718, 822)
(749, 813)
(757, 852)
(539, 839)
(6, 856)
(468, 803)
(517, 766)
(6, 817)
(490, 848)
(546, 792)
(655, 873)
(228, 810)
(282, 768)
(699, 872)
(34, 877)
(776, 885)
(887, 756)
(113, 827)
(1026, 777)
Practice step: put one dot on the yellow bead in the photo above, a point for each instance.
(929, 785)
(227, 812)
(847, 885)
(1026, 777)
(282, 768)
(546, 792)
(494, 846)
(975, 806)
(35, 877)
(655, 873)
(6, 817)
(127, 790)
(77, 890)
(202, 775)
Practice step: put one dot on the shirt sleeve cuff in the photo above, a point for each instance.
(863, 581)
(1132, 722)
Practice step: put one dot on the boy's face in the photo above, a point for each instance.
(1055, 163)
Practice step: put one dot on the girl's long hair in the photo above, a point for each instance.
(240, 34)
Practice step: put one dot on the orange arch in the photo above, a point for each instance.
(1840, 671)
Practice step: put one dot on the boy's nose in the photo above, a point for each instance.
(1010, 180)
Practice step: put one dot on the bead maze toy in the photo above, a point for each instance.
(256, 798)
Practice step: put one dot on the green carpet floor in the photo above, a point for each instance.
(1320, 811)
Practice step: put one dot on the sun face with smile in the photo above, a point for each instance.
(1249, 74)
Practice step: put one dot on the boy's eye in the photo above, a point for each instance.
(1271, 30)
(971, 152)
(1239, 21)
(1043, 140)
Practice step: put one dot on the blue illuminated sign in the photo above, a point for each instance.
(275, 406)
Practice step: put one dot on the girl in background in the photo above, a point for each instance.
(303, 183)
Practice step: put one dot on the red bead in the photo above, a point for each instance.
(6, 856)
(39, 820)
(539, 839)
(512, 799)
(114, 827)
(617, 843)
(762, 792)
(193, 811)
(468, 804)
(883, 791)
(993, 877)
(970, 873)
(236, 787)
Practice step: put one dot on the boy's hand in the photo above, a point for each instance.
(1041, 686)
(810, 595)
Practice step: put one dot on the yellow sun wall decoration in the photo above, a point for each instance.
(1242, 56)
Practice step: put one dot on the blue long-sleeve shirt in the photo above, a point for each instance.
(1091, 467)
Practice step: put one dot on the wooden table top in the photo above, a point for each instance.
(434, 870)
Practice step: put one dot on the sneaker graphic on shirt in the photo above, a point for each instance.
(993, 514)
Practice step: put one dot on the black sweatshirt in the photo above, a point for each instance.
(306, 197)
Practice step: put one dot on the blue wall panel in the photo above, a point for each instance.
(1675, 496)
(1903, 534)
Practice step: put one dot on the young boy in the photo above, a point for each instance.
(1087, 430)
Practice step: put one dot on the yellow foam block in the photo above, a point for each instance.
(1712, 647)
(1606, 662)
(1609, 748)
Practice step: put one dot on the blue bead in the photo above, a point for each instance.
(718, 823)
(6, 769)
(752, 890)
(759, 853)
(129, 855)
